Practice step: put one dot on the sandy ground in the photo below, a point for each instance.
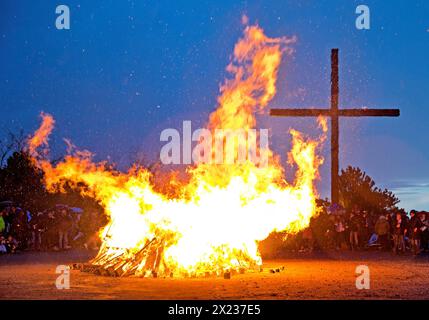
(321, 276)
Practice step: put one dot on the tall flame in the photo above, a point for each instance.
(215, 220)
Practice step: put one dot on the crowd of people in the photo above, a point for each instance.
(59, 228)
(359, 230)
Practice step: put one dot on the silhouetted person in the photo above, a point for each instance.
(424, 231)
(354, 226)
(2, 224)
(366, 228)
(382, 229)
(339, 232)
(399, 230)
(36, 227)
(19, 228)
(64, 226)
(414, 232)
(50, 231)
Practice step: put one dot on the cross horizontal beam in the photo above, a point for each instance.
(329, 113)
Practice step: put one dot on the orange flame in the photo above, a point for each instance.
(323, 123)
(216, 219)
(41, 136)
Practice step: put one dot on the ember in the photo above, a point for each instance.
(213, 222)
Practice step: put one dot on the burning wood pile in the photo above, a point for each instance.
(149, 262)
(116, 262)
(119, 262)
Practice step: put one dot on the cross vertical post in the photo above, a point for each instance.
(334, 127)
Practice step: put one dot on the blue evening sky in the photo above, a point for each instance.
(126, 70)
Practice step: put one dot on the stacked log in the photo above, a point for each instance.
(148, 262)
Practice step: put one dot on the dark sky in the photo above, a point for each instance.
(126, 70)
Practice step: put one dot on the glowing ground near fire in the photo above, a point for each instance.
(211, 223)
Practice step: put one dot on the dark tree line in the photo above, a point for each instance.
(22, 182)
(357, 188)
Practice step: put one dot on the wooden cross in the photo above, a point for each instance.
(334, 113)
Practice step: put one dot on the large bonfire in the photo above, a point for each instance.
(214, 221)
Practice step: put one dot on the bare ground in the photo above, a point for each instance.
(315, 276)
